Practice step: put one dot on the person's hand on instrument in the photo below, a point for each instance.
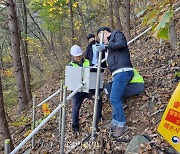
(101, 47)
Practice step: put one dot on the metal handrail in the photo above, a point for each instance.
(36, 129)
(47, 99)
(47, 119)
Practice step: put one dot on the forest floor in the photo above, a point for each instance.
(155, 62)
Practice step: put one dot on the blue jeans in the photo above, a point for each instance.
(120, 82)
(132, 89)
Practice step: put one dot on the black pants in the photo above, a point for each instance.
(77, 100)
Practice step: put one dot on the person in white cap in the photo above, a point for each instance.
(77, 99)
(77, 58)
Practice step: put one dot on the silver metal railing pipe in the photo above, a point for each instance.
(46, 119)
(36, 129)
(47, 99)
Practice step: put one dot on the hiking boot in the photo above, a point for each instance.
(110, 126)
(119, 131)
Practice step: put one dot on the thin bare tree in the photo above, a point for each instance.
(116, 10)
(82, 20)
(126, 18)
(173, 35)
(3, 122)
(72, 22)
(17, 64)
(111, 24)
(25, 58)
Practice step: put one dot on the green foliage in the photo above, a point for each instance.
(20, 121)
(7, 58)
(37, 81)
(56, 13)
(163, 33)
(177, 74)
(162, 29)
(37, 122)
(9, 91)
(51, 11)
(165, 19)
(158, 16)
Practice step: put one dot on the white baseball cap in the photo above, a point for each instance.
(76, 50)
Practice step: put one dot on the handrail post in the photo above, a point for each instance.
(63, 119)
(60, 101)
(34, 119)
(97, 89)
(7, 146)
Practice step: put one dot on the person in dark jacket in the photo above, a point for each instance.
(120, 65)
(91, 51)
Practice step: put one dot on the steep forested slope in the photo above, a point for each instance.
(157, 64)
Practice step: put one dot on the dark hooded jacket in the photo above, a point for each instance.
(118, 56)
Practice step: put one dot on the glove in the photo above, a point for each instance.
(100, 47)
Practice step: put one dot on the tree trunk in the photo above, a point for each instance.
(118, 20)
(25, 53)
(126, 19)
(134, 18)
(3, 122)
(88, 12)
(52, 41)
(53, 49)
(82, 20)
(111, 14)
(62, 47)
(71, 22)
(17, 64)
(1, 62)
(173, 35)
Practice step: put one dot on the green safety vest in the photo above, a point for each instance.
(137, 77)
(85, 63)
